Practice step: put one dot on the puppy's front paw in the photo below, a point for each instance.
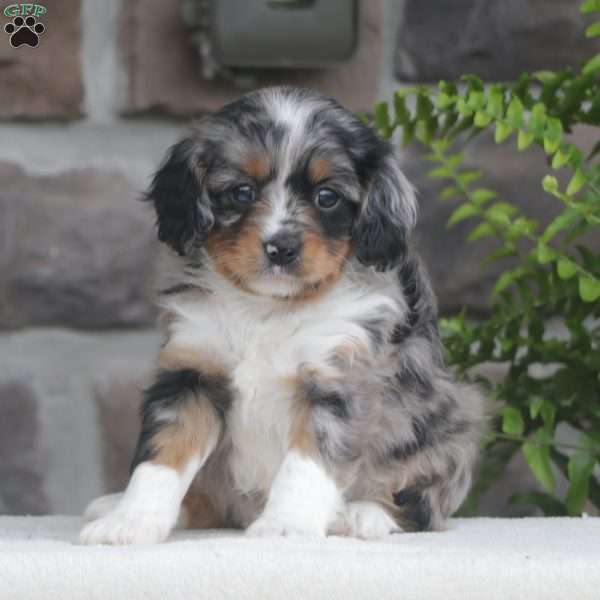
(272, 525)
(369, 521)
(102, 506)
(127, 528)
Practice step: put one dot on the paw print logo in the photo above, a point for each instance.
(24, 31)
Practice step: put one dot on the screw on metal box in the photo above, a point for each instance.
(259, 34)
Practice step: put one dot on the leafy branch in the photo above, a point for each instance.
(553, 273)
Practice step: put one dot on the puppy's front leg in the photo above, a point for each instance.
(180, 428)
(303, 499)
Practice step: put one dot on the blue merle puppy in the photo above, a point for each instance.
(300, 388)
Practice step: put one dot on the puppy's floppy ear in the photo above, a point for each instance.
(387, 217)
(182, 207)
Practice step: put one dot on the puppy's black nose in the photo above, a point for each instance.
(282, 249)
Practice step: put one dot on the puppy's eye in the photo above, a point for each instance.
(244, 194)
(327, 199)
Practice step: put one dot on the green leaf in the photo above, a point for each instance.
(524, 140)
(426, 129)
(504, 281)
(589, 288)
(545, 254)
(593, 30)
(537, 455)
(550, 184)
(445, 100)
(577, 182)
(512, 421)
(424, 106)
(566, 268)
(450, 192)
(500, 212)
(455, 160)
(482, 195)
(568, 217)
(408, 133)
(461, 213)
(495, 106)
(537, 119)
(442, 172)
(548, 412)
(552, 135)
(467, 177)
(514, 113)
(502, 133)
(463, 108)
(535, 406)
(580, 469)
(402, 112)
(482, 230)
(476, 100)
(561, 159)
(382, 117)
(482, 119)
(592, 66)
(505, 252)
(590, 6)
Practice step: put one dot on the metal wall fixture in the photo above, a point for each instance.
(236, 37)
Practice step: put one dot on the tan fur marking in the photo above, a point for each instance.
(319, 169)
(173, 357)
(258, 167)
(238, 253)
(301, 435)
(323, 259)
(201, 512)
(176, 443)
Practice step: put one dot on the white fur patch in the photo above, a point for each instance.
(146, 513)
(148, 510)
(303, 500)
(368, 521)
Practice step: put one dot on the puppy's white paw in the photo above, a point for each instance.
(128, 528)
(101, 506)
(369, 521)
(272, 526)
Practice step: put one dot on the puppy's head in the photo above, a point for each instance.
(281, 188)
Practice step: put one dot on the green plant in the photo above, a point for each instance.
(553, 274)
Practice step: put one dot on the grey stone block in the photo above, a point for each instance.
(63, 369)
(495, 39)
(118, 399)
(23, 463)
(77, 250)
(44, 82)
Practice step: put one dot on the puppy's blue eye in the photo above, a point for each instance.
(327, 199)
(244, 194)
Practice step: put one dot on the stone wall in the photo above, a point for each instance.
(84, 120)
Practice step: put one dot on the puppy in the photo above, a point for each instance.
(300, 388)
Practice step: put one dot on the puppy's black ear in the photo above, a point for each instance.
(182, 207)
(387, 217)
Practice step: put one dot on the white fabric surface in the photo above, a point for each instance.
(486, 559)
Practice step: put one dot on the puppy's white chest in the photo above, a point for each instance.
(259, 420)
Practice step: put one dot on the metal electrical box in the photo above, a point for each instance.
(258, 34)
